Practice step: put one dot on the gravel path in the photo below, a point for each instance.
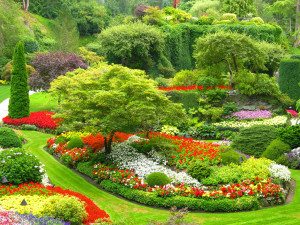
(4, 106)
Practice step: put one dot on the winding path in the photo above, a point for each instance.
(130, 213)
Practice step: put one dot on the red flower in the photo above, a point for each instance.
(293, 113)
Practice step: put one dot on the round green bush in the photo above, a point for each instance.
(231, 156)
(9, 139)
(75, 142)
(199, 169)
(276, 149)
(158, 178)
(254, 140)
(290, 135)
(19, 167)
(61, 140)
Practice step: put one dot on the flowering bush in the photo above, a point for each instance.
(293, 158)
(41, 120)
(275, 121)
(279, 171)
(93, 211)
(256, 114)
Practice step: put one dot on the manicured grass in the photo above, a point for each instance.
(130, 213)
(4, 92)
(42, 101)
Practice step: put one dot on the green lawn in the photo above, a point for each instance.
(42, 101)
(121, 210)
(4, 92)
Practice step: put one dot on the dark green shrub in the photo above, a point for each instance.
(199, 169)
(9, 139)
(157, 179)
(229, 108)
(19, 91)
(231, 156)
(75, 142)
(289, 77)
(31, 46)
(61, 140)
(204, 132)
(86, 168)
(28, 127)
(276, 149)
(254, 140)
(19, 167)
(189, 99)
(67, 160)
(290, 135)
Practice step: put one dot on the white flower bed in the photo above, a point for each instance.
(275, 121)
(127, 157)
(279, 171)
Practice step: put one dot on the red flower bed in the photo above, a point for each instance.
(41, 120)
(93, 211)
(94, 141)
(189, 149)
(292, 112)
(193, 87)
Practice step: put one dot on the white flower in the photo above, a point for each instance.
(279, 171)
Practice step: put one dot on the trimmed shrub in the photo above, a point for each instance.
(19, 167)
(49, 66)
(199, 169)
(276, 149)
(9, 139)
(289, 77)
(19, 92)
(75, 142)
(254, 140)
(290, 135)
(158, 179)
(231, 156)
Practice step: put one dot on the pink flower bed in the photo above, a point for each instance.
(256, 114)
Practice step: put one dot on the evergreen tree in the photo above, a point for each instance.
(66, 32)
(19, 91)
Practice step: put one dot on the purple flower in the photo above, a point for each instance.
(256, 114)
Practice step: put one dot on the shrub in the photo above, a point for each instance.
(257, 20)
(199, 169)
(9, 139)
(75, 142)
(157, 179)
(51, 65)
(189, 99)
(276, 149)
(254, 140)
(185, 78)
(289, 77)
(230, 17)
(19, 92)
(7, 71)
(290, 135)
(231, 156)
(66, 208)
(19, 167)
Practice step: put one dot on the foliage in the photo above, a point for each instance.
(19, 92)
(231, 156)
(136, 45)
(185, 78)
(189, 99)
(289, 77)
(254, 140)
(200, 8)
(19, 167)
(290, 135)
(51, 65)
(99, 93)
(276, 149)
(157, 178)
(199, 169)
(65, 32)
(9, 139)
(75, 142)
(8, 69)
(240, 7)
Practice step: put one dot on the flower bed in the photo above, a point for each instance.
(93, 211)
(193, 87)
(256, 114)
(41, 120)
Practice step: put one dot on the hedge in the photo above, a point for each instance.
(289, 77)
(180, 39)
(209, 205)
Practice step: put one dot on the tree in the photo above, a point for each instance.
(19, 92)
(26, 4)
(113, 98)
(66, 33)
(231, 50)
(239, 7)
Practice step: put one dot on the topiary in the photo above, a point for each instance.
(254, 140)
(199, 169)
(9, 139)
(276, 149)
(157, 179)
(231, 156)
(75, 142)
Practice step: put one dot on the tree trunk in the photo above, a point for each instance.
(108, 142)
(231, 74)
(26, 4)
(297, 24)
(176, 3)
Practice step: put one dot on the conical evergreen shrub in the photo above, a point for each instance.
(19, 91)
